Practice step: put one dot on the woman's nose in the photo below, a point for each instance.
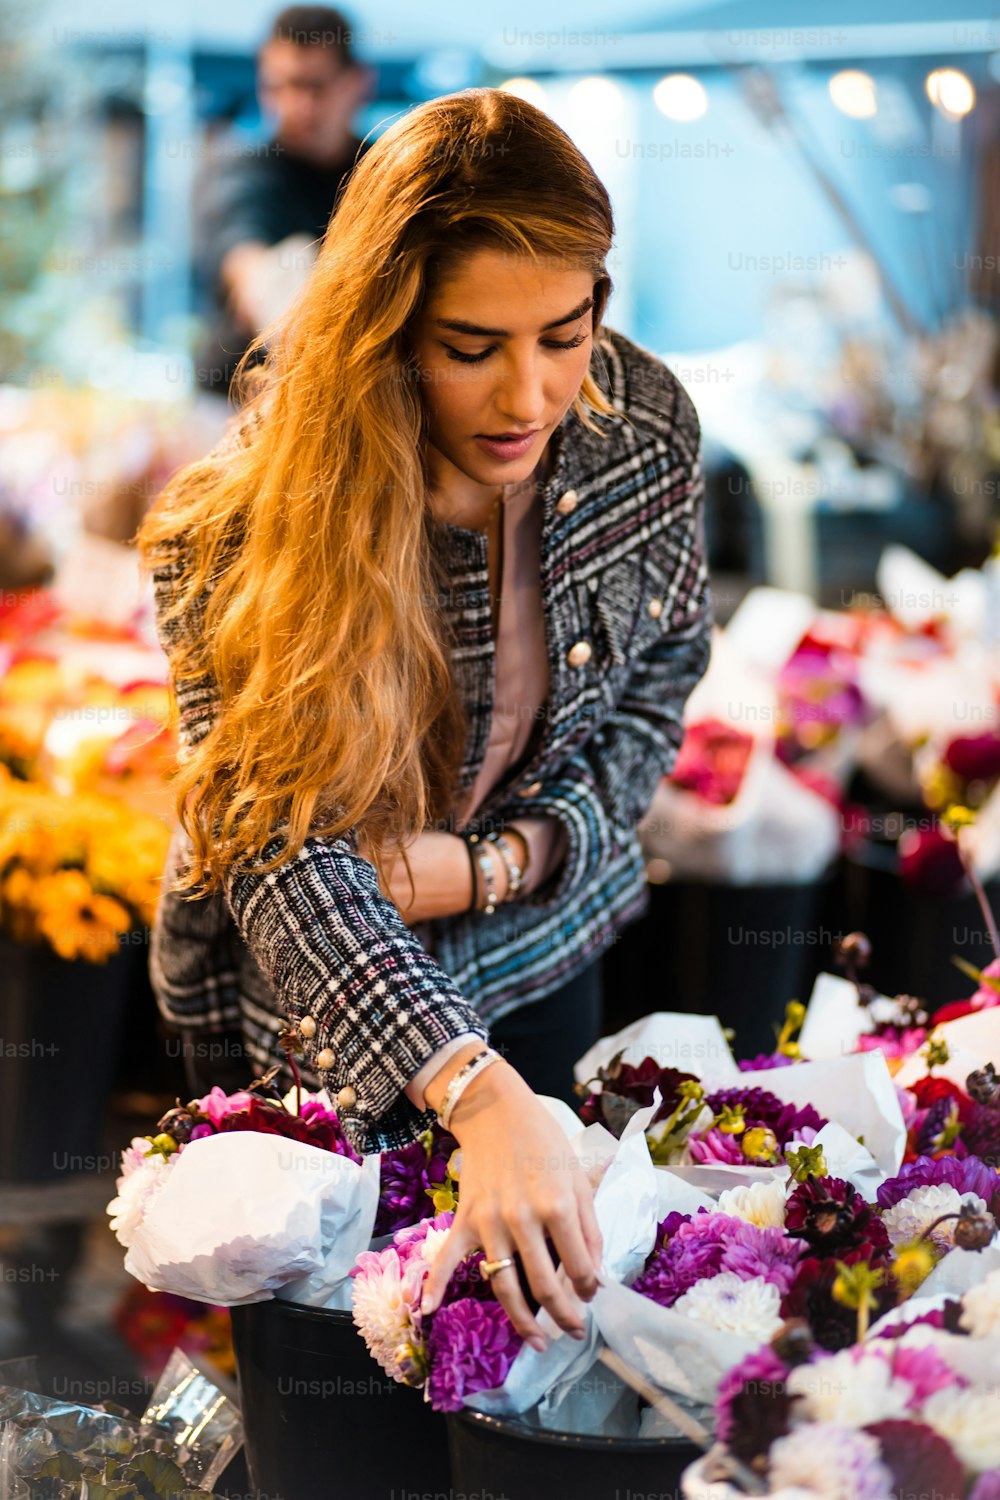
(520, 395)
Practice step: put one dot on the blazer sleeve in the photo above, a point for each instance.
(605, 788)
(332, 945)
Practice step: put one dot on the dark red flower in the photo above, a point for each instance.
(928, 858)
(974, 758)
(316, 1126)
(626, 1087)
(929, 1090)
(753, 1405)
(981, 1134)
(832, 1217)
(920, 1460)
(834, 1326)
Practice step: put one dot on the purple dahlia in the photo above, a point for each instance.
(709, 1244)
(967, 1175)
(760, 1107)
(764, 1061)
(471, 1347)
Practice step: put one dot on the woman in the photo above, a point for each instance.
(445, 581)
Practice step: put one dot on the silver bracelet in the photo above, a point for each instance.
(460, 1082)
(509, 856)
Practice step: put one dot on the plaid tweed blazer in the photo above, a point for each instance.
(628, 620)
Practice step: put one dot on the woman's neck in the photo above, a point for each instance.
(460, 501)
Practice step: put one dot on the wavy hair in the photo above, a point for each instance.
(294, 546)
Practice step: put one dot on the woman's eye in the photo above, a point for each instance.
(572, 344)
(467, 359)
(477, 359)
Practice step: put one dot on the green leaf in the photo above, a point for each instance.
(155, 1476)
(971, 972)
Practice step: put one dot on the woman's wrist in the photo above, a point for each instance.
(437, 1087)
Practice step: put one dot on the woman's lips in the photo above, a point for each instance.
(507, 449)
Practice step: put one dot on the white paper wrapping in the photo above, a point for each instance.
(973, 1041)
(626, 1203)
(835, 1021)
(693, 1044)
(672, 1350)
(244, 1213)
(856, 1092)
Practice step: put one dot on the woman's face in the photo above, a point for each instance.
(502, 347)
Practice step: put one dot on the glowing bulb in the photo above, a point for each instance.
(680, 97)
(527, 89)
(951, 92)
(596, 98)
(853, 92)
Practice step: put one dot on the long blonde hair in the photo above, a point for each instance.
(313, 536)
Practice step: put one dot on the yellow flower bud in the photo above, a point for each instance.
(912, 1264)
(761, 1145)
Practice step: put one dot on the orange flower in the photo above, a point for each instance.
(77, 922)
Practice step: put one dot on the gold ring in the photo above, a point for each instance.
(488, 1268)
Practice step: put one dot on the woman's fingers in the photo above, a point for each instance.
(506, 1287)
(541, 1274)
(588, 1223)
(458, 1242)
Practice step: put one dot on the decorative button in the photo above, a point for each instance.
(347, 1098)
(567, 503)
(530, 791)
(307, 1026)
(580, 653)
(325, 1060)
(656, 608)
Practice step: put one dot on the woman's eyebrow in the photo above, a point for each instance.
(459, 325)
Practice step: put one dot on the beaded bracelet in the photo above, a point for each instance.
(509, 856)
(461, 1080)
(485, 860)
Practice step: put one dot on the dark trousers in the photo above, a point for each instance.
(544, 1038)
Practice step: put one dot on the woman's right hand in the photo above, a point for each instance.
(520, 1183)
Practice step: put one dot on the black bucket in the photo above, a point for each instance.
(62, 1024)
(322, 1418)
(505, 1459)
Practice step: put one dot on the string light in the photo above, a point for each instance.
(854, 93)
(528, 89)
(598, 99)
(951, 91)
(680, 97)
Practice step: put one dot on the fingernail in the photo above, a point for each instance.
(426, 1304)
(578, 1333)
(538, 1343)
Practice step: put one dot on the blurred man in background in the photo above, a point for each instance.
(259, 213)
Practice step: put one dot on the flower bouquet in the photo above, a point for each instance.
(731, 811)
(720, 1125)
(467, 1352)
(467, 1345)
(189, 1228)
(887, 1418)
(76, 873)
(721, 1281)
